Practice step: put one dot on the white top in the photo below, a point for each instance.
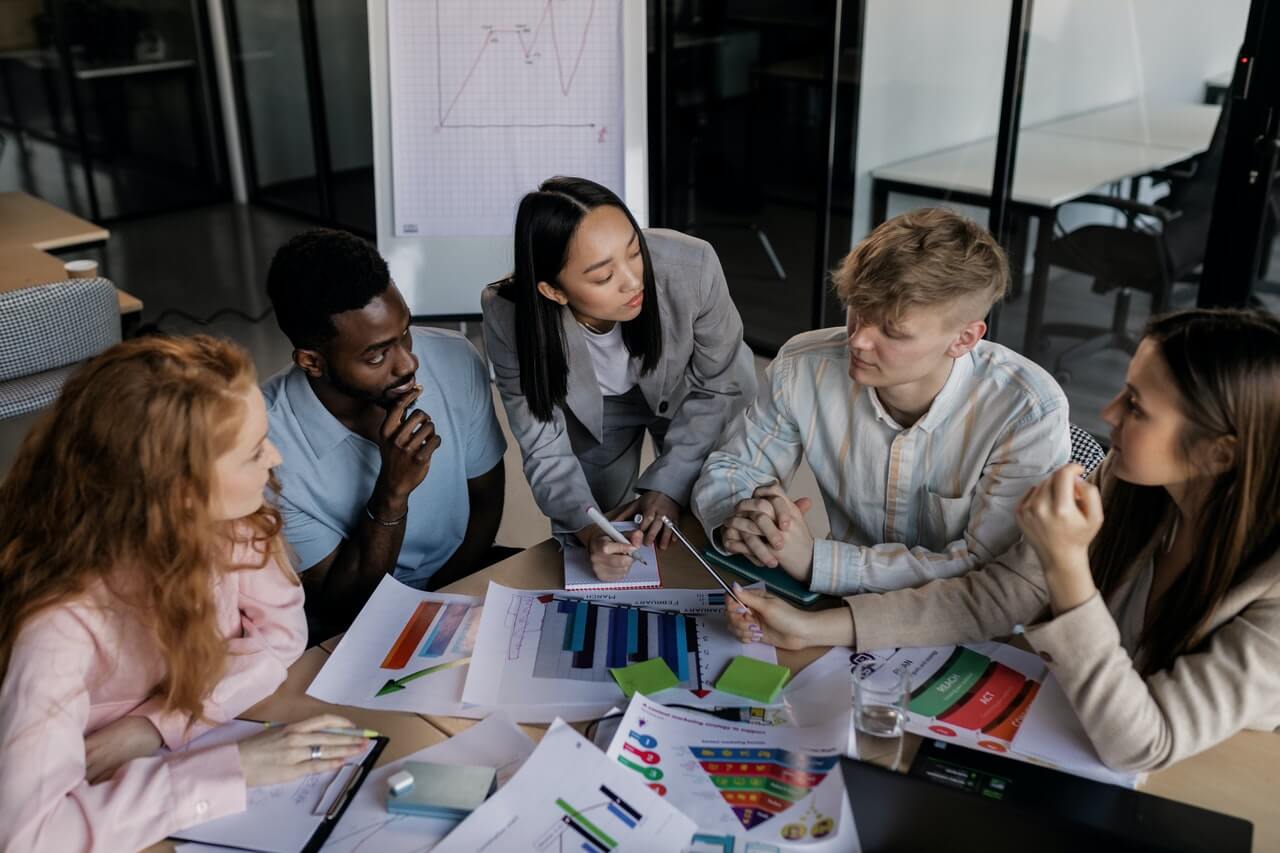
(616, 371)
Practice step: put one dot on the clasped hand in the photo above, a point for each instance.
(769, 529)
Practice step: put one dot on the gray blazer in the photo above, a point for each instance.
(705, 378)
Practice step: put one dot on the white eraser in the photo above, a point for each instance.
(400, 783)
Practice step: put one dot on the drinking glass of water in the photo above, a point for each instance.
(879, 711)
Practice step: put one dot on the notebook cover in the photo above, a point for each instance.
(777, 580)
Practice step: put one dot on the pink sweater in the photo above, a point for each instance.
(81, 665)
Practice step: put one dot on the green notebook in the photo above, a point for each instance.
(777, 580)
(753, 679)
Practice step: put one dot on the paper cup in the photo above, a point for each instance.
(82, 269)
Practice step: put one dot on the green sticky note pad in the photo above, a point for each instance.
(646, 677)
(753, 679)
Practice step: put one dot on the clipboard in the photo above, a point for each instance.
(250, 841)
(321, 835)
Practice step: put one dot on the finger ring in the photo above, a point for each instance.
(315, 752)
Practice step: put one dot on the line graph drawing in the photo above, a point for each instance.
(491, 97)
(528, 42)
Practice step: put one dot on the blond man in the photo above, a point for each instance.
(922, 436)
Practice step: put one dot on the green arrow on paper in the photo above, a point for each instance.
(397, 684)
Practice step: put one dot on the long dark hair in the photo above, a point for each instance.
(1226, 365)
(545, 223)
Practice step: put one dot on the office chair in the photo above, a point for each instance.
(1156, 246)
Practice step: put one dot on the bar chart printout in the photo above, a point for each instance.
(406, 651)
(597, 808)
(554, 650)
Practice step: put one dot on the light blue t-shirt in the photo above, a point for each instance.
(328, 472)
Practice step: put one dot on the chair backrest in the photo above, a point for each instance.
(1085, 450)
(54, 325)
(1187, 236)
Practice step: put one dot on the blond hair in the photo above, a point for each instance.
(926, 257)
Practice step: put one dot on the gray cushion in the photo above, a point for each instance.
(29, 393)
(54, 325)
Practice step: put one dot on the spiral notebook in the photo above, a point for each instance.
(578, 575)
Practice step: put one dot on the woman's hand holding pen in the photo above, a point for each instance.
(283, 753)
(768, 619)
(610, 560)
(651, 507)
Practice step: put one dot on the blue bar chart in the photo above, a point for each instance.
(582, 640)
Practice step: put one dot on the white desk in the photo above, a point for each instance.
(1185, 127)
(1050, 170)
(1057, 162)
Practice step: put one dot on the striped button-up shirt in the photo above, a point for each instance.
(906, 505)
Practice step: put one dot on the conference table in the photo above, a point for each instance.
(1240, 776)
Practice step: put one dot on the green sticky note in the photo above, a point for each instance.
(646, 677)
(753, 679)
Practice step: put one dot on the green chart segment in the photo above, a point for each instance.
(588, 834)
(965, 669)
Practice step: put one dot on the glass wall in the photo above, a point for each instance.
(1118, 127)
(742, 110)
(119, 90)
(303, 80)
(275, 106)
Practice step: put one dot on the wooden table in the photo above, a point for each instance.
(30, 228)
(1239, 777)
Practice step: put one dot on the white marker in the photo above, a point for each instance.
(612, 532)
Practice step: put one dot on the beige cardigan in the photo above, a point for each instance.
(1232, 682)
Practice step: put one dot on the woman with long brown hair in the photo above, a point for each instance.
(145, 600)
(1161, 577)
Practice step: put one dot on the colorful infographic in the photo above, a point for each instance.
(975, 695)
(407, 651)
(569, 797)
(760, 784)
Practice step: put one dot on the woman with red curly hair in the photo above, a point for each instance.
(146, 599)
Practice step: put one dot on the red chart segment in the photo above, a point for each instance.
(972, 691)
(410, 635)
(759, 784)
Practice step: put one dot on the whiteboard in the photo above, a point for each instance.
(475, 102)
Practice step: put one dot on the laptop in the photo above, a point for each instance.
(963, 799)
